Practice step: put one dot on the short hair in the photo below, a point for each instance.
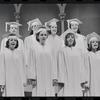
(7, 44)
(66, 42)
(31, 33)
(90, 46)
(37, 36)
(78, 31)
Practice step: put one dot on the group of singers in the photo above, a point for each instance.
(66, 65)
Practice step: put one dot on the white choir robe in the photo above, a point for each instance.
(15, 75)
(71, 71)
(28, 42)
(81, 43)
(2, 69)
(56, 43)
(92, 63)
(20, 47)
(40, 68)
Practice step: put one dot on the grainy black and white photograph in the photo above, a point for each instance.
(49, 50)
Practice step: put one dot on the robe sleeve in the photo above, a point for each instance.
(83, 70)
(87, 67)
(2, 45)
(54, 61)
(22, 45)
(84, 47)
(61, 67)
(2, 69)
(23, 69)
(32, 64)
(26, 49)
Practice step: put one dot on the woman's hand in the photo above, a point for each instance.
(32, 82)
(85, 86)
(2, 88)
(55, 82)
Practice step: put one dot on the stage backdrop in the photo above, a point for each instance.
(89, 14)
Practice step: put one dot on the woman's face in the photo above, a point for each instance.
(42, 37)
(70, 39)
(94, 44)
(13, 29)
(74, 27)
(34, 26)
(12, 43)
(53, 30)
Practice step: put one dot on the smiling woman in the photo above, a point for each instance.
(92, 64)
(12, 43)
(40, 64)
(14, 64)
(71, 70)
(13, 31)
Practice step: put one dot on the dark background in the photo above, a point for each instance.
(89, 14)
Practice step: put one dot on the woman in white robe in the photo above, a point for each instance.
(31, 40)
(40, 65)
(2, 74)
(71, 71)
(14, 65)
(92, 64)
(13, 30)
(73, 24)
(56, 43)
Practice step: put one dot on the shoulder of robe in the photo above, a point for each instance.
(98, 52)
(86, 54)
(59, 38)
(20, 39)
(82, 36)
(27, 37)
(4, 39)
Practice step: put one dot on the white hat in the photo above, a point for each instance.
(75, 20)
(51, 22)
(35, 22)
(92, 36)
(41, 28)
(11, 24)
(69, 31)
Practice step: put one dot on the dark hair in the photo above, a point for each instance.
(90, 46)
(31, 33)
(7, 44)
(78, 31)
(66, 42)
(37, 36)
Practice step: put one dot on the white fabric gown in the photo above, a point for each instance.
(56, 43)
(14, 72)
(40, 68)
(2, 69)
(70, 71)
(30, 41)
(92, 63)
